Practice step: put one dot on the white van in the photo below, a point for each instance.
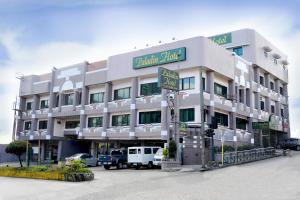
(141, 156)
(158, 157)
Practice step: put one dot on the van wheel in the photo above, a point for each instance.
(119, 165)
(150, 165)
(106, 166)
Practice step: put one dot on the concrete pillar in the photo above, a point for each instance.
(75, 99)
(83, 116)
(133, 110)
(248, 97)
(257, 101)
(42, 150)
(277, 108)
(60, 101)
(277, 81)
(93, 149)
(256, 74)
(232, 114)
(249, 128)
(268, 100)
(35, 106)
(106, 114)
(59, 150)
(164, 115)
(20, 121)
(210, 89)
(52, 101)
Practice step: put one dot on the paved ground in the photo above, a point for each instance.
(276, 179)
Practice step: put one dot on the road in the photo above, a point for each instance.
(272, 179)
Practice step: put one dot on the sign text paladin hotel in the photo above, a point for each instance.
(160, 58)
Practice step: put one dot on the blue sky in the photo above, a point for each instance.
(37, 35)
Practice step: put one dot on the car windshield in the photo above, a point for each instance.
(159, 152)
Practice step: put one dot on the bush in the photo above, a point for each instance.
(165, 152)
(172, 149)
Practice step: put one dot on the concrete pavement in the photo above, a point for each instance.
(272, 179)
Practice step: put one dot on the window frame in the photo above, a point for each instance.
(186, 116)
(238, 50)
(27, 122)
(74, 122)
(152, 91)
(122, 90)
(30, 107)
(239, 125)
(124, 122)
(100, 97)
(189, 80)
(91, 124)
(221, 119)
(149, 117)
(69, 101)
(43, 121)
(46, 105)
(222, 87)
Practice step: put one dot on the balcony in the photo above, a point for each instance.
(94, 108)
(27, 114)
(119, 105)
(223, 103)
(42, 113)
(71, 132)
(92, 132)
(148, 102)
(120, 132)
(67, 110)
(148, 131)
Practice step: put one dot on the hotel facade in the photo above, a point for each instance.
(117, 101)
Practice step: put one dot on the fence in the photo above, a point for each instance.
(231, 158)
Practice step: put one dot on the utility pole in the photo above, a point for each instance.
(202, 136)
(14, 125)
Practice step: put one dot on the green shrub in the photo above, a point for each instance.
(165, 152)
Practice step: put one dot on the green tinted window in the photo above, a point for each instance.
(150, 89)
(149, 117)
(94, 122)
(187, 115)
(120, 120)
(123, 93)
(96, 98)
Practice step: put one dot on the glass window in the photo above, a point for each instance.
(281, 112)
(272, 85)
(149, 117)
(262, 105)
(43, 124)
(68, 99)
(27, 126)
(238, 50)
(261, 80)
(57, 100)
(94, 122)
(139, 151)
(187, 83)
(120, 120)
(241, 123)
(44, 104)
(222, 119)
(155, 150)
(187, 115)
(132, 151)
(148, 89)
(147, 151)
(72, 124)
(97, 98)
(272, 109)
(28, 105)
(220, 90)
(123, 93)
(281, 90)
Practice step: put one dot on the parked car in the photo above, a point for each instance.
(87, 159)
(158, 157)
(141, 156)
(117, 158)
(290, 143)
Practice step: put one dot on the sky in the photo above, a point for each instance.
(37, 35)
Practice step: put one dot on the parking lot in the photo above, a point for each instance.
(277, 178)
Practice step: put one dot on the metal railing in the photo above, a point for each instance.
(232, 158)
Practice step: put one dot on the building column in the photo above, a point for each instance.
(133, 110)
(60, 101)
(106, 114)
(256, 74)
(164, 115)
(59, 149)
(35, 106)
(210, 76)
(83, 117)
(52, 102)
(268, 100)
(93, 149)
(232, 114)
(42, 150)
(20, 121)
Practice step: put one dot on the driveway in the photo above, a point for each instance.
(272, 179)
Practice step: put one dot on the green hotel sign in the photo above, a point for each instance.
(222, 39)
(160, 58)
(168, 79)
(260, 125)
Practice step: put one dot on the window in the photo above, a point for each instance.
(96, 97)
(120, 120)
(27, 126)
(238, 51)
(262, 105)
(241, 95)
(281, 112)
(43, 125)
(187, 83)
(148, 89)
(220, 90)
(44, 104)
(281, 90)
(222, 119)
(94, 122)
(149, 117)
(123, 93)
(147, 151)
(28, 105)
(132, 151)
(272, 109)
(187, 115)
(272, 85)
(155, 150)
(241, 123)
(261, 80)
(68, 99)
(72, 124)
(57, 100)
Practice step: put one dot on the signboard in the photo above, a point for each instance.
(168, 79)
(222, 39)
(260, 125)
(160, 58)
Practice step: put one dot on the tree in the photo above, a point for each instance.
(172, 149)
(18, 148)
